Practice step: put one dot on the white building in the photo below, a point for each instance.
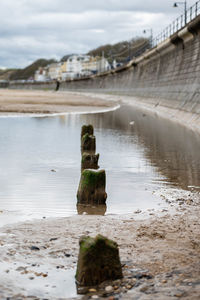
(54, 71)
(75, 65)
(41, 74)
(84, 65)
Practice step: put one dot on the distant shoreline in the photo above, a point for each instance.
(43, 103)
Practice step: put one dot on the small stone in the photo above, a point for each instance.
(53, 170)
(129, 287)
(133, 281)
(138, 211)
(164, 281)
(31, 278)
(109, 289)
(178, 295)
(92, 290)
(34, 248)
(189, 202)
(53, 239)
(20, 269)
(67, 254)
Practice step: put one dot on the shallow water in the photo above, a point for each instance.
(40, 162)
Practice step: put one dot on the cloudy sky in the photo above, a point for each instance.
(32, 29)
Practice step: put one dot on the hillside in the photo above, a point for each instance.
(29, 71)
(5, 74)
(122, 51)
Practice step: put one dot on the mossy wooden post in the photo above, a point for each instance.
(98, 261)
(92, 187)
(87, 129)
(89, 161)
(88, 143)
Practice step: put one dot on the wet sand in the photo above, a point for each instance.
(48, 102)
(165, 245)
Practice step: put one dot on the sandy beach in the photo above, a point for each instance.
(163, 247)
(49, 102)
(159, 250)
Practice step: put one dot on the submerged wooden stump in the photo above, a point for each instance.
(98, 261)
(87, 129)
(92, 187)
(89, 161)
(99, 210)
(88, 143)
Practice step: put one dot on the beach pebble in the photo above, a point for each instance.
(53, 239)
(92, 290)
(109, 289)
(128, 286)
(34, 248)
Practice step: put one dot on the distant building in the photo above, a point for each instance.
(54, 71)
(75, 66)
(41, 74)
(85, 65)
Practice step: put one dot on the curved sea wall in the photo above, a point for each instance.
(51, 85)
(166, 76)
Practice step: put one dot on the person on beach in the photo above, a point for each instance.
(57, 85)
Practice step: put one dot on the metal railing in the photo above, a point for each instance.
(178, 24)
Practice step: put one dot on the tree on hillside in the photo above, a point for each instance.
(29, 71)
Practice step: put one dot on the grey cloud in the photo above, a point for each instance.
(48, 28)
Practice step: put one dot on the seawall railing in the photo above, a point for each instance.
(178, 24)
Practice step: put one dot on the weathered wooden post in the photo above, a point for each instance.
(98, 261)
(87, 129)
(91, 190)
(89, 161)
(88, 143)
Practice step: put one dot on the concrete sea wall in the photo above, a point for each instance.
(166, 76)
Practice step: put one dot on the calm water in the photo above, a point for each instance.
(138, 159)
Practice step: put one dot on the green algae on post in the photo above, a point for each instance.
(92, 187)
(87, 129)
(98, 261)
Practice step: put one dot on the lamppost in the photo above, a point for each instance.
(151, 35)
(185, 8)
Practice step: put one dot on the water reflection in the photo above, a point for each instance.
(91, 209)
(171, 148)
(138, 158)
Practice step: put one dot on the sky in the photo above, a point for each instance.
(33, 29)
